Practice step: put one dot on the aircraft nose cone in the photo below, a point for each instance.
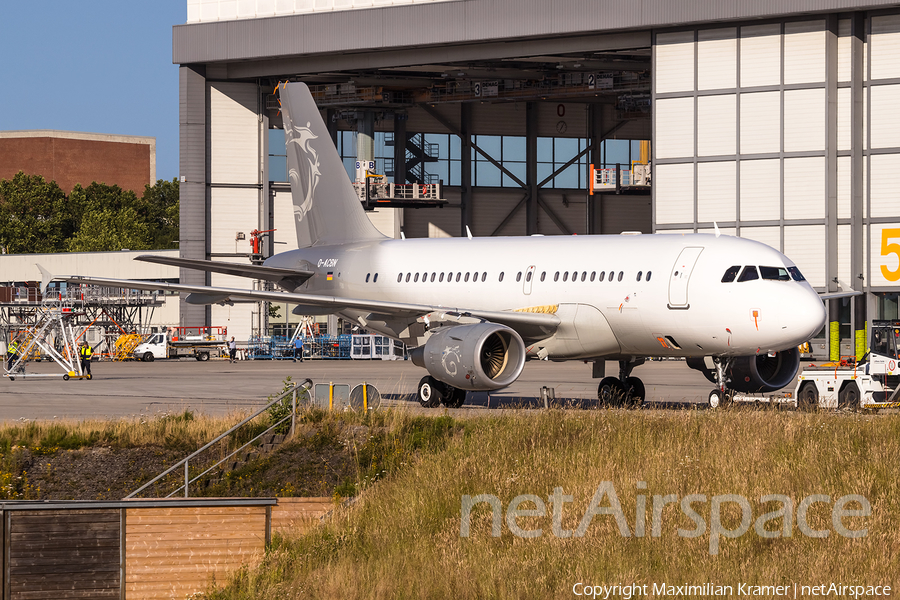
(810, 316)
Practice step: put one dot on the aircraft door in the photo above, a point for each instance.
(529, 278)
(681, 276)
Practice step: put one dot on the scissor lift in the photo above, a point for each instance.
(54, 335)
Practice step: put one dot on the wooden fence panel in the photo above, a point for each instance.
(299, 515)
(175, 552)
(61, 554)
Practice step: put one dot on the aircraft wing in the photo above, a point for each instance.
(833, 295)
(527, 324)
(274, 274)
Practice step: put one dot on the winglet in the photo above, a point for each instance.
(468, 232)
(716, 225)
(46, 278)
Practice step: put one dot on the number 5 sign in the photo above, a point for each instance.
(890, 252)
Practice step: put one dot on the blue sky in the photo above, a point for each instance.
(97, 66)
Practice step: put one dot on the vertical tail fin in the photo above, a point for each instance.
(326, 207)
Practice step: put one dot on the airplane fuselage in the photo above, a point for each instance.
(658, 295)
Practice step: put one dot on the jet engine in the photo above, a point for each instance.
(482, 356)
(754, 374)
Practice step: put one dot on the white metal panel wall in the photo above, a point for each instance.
(805, 245)
(716, 191)
(231, 210)
(804, 52)
(771, 236)
(843, 187)
(674, 66)
(844, 253)
(885, 47)
(760, 190)
(804, 120)
(674, 128)
(844, 107)
(716, 125)
(760, 123)
(843, 57)
(760, 55)
(234, 133)
(716, 58)
(885, 183)
(283, 222)
(675, 195)
(804, 188)
(885, 116)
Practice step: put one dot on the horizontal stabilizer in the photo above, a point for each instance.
(275, 274)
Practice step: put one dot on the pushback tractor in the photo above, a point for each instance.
(872, 383)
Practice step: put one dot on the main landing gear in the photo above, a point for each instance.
(623, 390)
(432, 392)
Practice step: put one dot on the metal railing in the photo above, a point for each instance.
(293, 392)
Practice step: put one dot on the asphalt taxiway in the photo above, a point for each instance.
(219, 386)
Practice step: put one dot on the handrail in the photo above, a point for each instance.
(305, 385)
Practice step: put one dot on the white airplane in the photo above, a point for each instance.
(475, 309)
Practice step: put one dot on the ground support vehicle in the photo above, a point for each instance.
(871, 384)
(200, 343)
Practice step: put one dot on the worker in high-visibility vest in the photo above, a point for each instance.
(12, 353)
(86, 352)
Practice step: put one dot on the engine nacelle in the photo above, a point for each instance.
(483, 356)
(754, 374)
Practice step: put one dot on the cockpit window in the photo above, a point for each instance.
(774, 273)
(730, 274)
(749, 274)
(796, 274)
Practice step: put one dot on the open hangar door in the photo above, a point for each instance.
(510, 140)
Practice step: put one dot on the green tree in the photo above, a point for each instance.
(34, 215)
(107, 218)
(160, 206)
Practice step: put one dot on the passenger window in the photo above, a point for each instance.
(375, 279)
(484, 277)
(583, 275)
(367, 277)
(566, 276)
(796, 274)
(543, 275)
(424, 277)
(458, 275)
(556, 276)
(501, 276)
(602, 276)
(467, 277)
(774, 273)
(399, 277)
(730, 274)
(593, 275)
(574, 275)
(621, 274)
(612, 275)
(441, 278)
(519, 276)
(528, 276)
(649, 273)
(432, 277)
(475, 276)
(640, 273)
(416, 278)
(407, 277)
(749, 274)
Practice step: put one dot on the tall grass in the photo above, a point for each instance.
(401, 538)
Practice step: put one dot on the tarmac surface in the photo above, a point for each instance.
(218, 386)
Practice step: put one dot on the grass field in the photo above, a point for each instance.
(402, 538)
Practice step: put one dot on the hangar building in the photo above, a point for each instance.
(772, 120)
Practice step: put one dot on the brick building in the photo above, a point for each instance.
(71, 158)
